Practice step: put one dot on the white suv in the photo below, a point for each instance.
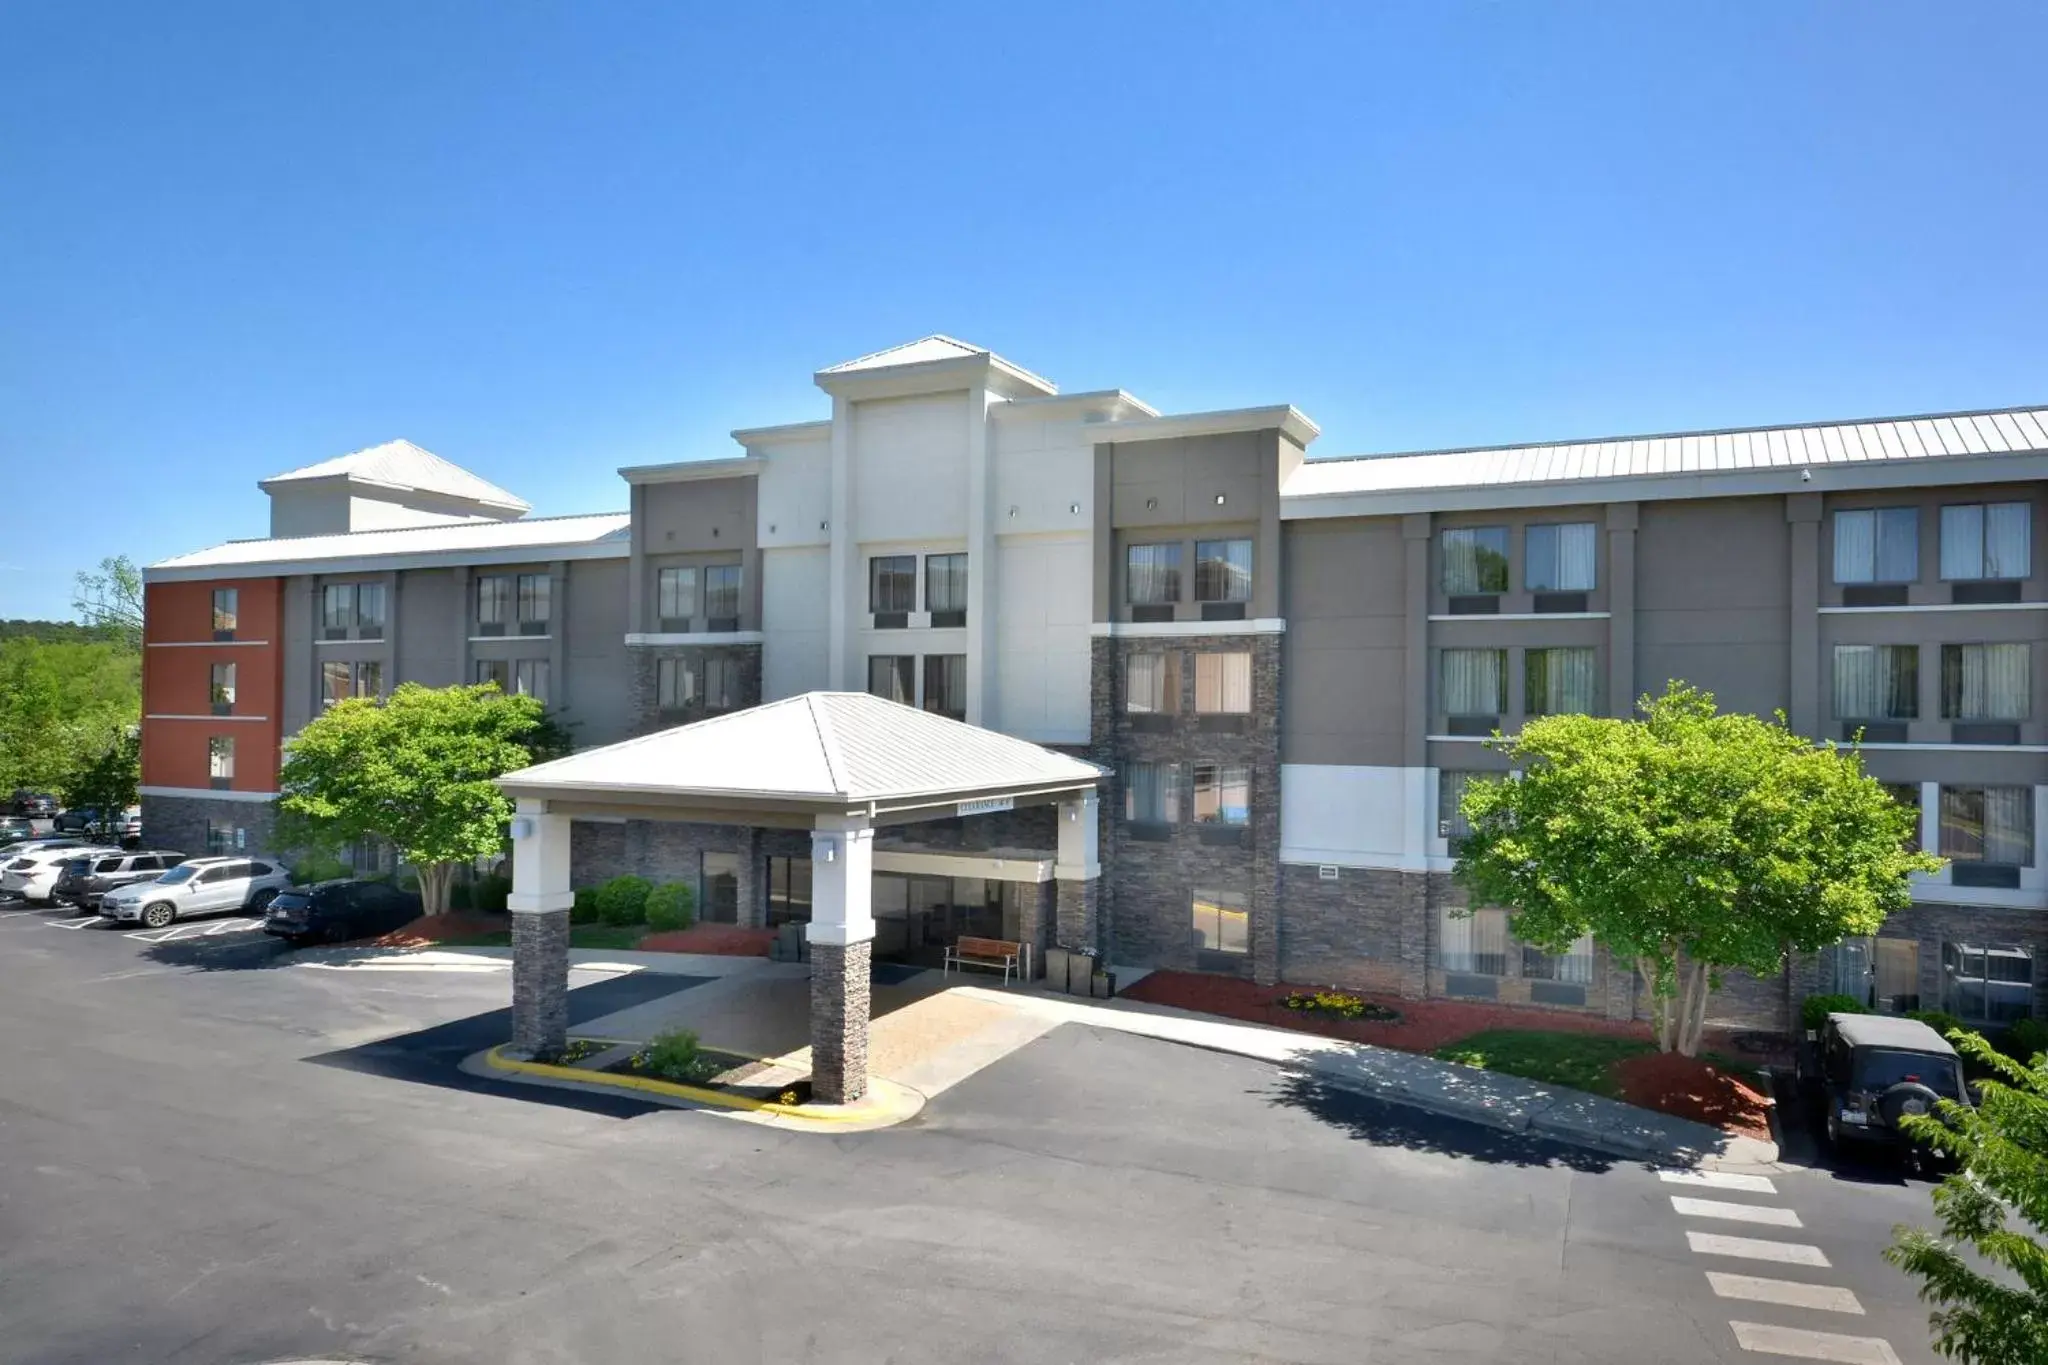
(204, 886)
(34, 873)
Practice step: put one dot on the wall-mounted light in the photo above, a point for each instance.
(1075, 508)
(1219, 499)
(825, 850)
(1073, 815)
(522, 828)
(1151, 504)
(1013, 511)
(823, 524)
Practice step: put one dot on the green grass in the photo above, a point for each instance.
(1582, 1061)
(609, 936)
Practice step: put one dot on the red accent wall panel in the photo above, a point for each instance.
(178, 656)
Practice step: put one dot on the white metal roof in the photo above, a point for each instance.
(919, 352)
(820, 747)
(1818, 446)
(933, 354)
(403, 465)
(604, 535)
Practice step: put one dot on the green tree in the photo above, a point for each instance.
(61, 705)
(110, 601)
(2002, 1149)
(416, 769)
(1686, 841)
(109, 781)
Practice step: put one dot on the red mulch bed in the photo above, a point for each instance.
(1694, 1089)
(724, 940)
(1424, 1026)
(428, 930)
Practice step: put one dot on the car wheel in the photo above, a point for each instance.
(159, 914)
(262, 899)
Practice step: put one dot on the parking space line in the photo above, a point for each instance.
(1720, 1180)
(1735, 1213)
(1823, 1298)
(1807, 1345)
(1756, 1249)
(74, 924)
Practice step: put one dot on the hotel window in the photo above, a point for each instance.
(220, 838)
(721, 684)
(1223, 571)
(220, 759)
(497, 671)
(722, 597)
(892, 585)
(221, 689)
(1573, 966)
(1877, 682)
(1986, 541)
(1993, 825)
(1152, 575)
(335, 682)
(1475, 560)
(1223, 684)
(1993, 982)
(1985, 682)
(675, 685)
(945, 589)
(893, 677)
(1152, 683)
(530, 679)
(1223, 793)
(1473, 942)
(1152, 793)
(945, 685)
(1559, 558)
(675, 593)
(1558, 682)
(1221, 923)
(226, 602)
(493, 604)
(1907, 794)
(1474, 683)
(337, 609)
(536, 605)
(370, 610)
(1877, 545)
(789, 891)
(1451, 823)
(367, 678)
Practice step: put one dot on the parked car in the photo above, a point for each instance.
(126, 827)
(34, 805)
(1869, 1071)
(8, 852)
(33, 875)
(202, 886)
(76, 820)
(86, 881)
(334, 912)
(14, 828)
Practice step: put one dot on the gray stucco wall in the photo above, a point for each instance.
(1169, 490)
(597, 700)
(429, 611)
(1713, 597)
(1343, 654)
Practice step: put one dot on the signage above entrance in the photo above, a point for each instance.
(986, 807)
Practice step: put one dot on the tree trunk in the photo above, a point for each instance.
(1661, 1016)
(1693, 1018)
(436, 880)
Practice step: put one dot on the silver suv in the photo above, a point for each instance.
(204, 886)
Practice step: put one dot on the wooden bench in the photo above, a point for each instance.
(993, 953)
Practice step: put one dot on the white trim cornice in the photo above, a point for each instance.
(1917, 607)
(1292, 422)
(209, 717)
(787, 434)
(205, 644)
(696, 637)
(1524, 616)
(1950, 748)
(1168, 630)
(206, 794)
(691, 471)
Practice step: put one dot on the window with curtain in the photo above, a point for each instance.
(892, 583)
(894, 677)
(789, 891)
(1988, 825)
(1223, 571)
(1877, 682)
(1877, 545)
(530, 679)
(1985, 682)
(1473, 681)
(338, 606)
(1574, 965)
(1907, 794)
(536, 599)
(1558, 682)
(1474, 941)
(1152, 683)
(945, 685)
(675, 684)
(1152, 793)
(945, 583)
(1475, 559)
(1993, 982)
(676, 595)
(722, 592)
(721, 683)
(336, 683)
(1450, 797)
(1221, 923)
(220, 758)
(493, 600)
(1152, 574)
(1223, 684)
(1559, 558)
(1986, 540)
(370, 608)
(222, 686)
(367, 678)
(1223, 793)
(226, 601)
(497, 671)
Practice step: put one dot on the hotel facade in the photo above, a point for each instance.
(1287, 667)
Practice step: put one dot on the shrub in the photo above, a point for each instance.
(670, 906)
(1939, 1020)
(317, 867)
(2026, 1039)
(1340, 1005)
(458, 896)
(677, 1056)
(623, 900)
(490, 892)
(1815, 1009)
(584, 911)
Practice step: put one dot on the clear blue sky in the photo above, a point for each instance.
(549, 240)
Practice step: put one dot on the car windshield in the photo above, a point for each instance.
(180, 874)
(1880, 1069)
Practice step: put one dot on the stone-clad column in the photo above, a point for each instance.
(841, 934)
(1077, 875)
(539, 903)
(749, 889)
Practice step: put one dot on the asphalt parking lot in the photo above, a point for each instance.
(214, 1154)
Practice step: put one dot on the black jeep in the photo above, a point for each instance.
(1869, 1071)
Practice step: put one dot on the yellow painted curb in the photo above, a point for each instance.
(675, 1089)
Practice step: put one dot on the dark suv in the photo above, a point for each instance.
(84, 882)
(1869, 1071)
(335, 912)
(34, 805)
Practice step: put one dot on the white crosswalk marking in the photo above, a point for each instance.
(1720, 1180)
(1735, 1213)
(1824, 1298)
(1797, 1341)
(1756, 1249)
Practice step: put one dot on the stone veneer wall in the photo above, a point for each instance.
(1149, 885)
(644, 677)
(179, 823)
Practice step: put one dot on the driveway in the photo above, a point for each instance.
(215, 1156)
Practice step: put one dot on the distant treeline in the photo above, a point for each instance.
(52, 632)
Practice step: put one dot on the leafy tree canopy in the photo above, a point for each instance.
(1686, 841)
(109, 781)
(416, 769)
(110, 601)
(62, 705)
